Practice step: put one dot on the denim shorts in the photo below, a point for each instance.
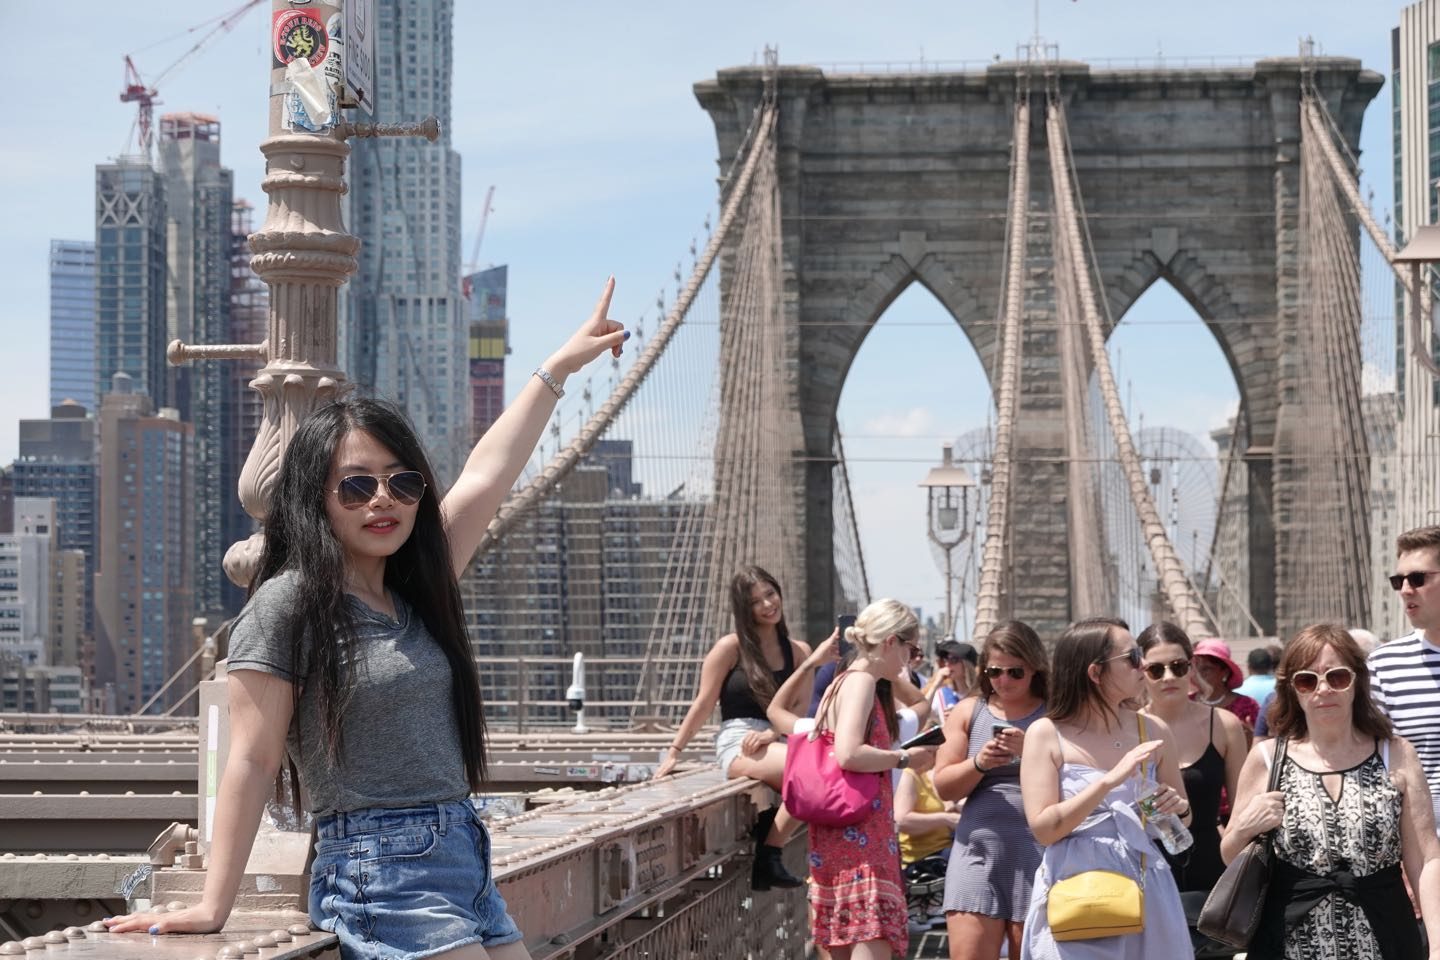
(406, 883)
(731, 735)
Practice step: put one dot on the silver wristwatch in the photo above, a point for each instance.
(903, 762)
(550, 382)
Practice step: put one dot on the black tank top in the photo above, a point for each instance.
(1199, 867)
(737, 701)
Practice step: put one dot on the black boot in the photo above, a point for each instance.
(769, 869)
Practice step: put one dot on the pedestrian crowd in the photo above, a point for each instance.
(1080, 804)
(1108, 799)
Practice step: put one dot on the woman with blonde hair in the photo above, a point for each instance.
(857, 895)
(993, 861)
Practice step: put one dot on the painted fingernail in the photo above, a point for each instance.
(155, 929)
(627, 335)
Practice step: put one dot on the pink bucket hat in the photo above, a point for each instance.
(1220, 650)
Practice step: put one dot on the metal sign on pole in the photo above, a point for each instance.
(359, 56)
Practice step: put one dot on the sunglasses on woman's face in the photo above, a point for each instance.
(1133, 655)
(358, 489)
(1015, 673)
(1336, 678)
(1177, 668)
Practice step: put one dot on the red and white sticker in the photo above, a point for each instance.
(299, 34)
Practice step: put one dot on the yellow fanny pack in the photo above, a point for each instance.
(1096, 903)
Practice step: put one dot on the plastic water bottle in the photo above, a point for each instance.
(1166, 827)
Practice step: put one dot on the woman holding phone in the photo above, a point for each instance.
(994, 856)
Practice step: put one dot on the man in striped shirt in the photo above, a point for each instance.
(1405, 673)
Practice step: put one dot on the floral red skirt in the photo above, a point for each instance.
(857, 893)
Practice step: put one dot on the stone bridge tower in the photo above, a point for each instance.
(1190, 176)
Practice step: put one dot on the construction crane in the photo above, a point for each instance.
(137, 91)
(474, 263)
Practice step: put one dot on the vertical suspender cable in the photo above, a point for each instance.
(997, 519)
(1173, 582)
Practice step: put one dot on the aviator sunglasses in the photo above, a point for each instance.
(1336, 678)
(1177, 668)
(1015, 673)
(358, 489)
(1416, 579)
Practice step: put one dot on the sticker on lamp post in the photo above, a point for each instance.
(299, 34)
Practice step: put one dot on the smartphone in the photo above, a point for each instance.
(998, 728)
(929, 738)
(844, 622)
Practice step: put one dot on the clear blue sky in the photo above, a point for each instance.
(582, 115)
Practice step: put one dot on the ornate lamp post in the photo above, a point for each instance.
(947, 512)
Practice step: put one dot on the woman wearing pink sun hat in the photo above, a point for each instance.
(1216, 677)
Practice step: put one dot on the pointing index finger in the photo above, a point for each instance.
(602, 309)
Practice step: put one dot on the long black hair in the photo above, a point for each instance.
(299, 538)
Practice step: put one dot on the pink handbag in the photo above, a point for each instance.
(817, 790)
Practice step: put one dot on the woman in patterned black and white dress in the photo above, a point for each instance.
(1353, 805)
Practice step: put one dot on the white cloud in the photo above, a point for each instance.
(915, 422)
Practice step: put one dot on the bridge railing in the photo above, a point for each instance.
(529, 692)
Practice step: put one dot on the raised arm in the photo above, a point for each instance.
(717, 666)
(496, 462)
(1050, 816)
(782, 712)
(1255, 811)
(260, 708)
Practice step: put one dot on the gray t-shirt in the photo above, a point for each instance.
(401, 741)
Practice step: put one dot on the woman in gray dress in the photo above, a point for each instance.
(1080, 777)
(994, 856)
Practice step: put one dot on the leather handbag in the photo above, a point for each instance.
(816, 789)
(1098, 903)
(1232, 910)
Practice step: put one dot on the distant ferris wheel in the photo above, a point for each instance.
(1182, 474)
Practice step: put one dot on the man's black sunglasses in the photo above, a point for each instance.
(1415, 578)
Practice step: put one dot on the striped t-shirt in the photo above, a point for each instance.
(1405, 677)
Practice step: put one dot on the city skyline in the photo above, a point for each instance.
(605, 163)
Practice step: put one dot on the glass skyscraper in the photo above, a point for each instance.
(405, 335)
(199, 208)
(1415, 89)
(72, 322)
(130, 285)
(484, 298)
(143, 599)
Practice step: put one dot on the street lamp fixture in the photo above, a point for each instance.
(947, 509)
(1422, 251)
